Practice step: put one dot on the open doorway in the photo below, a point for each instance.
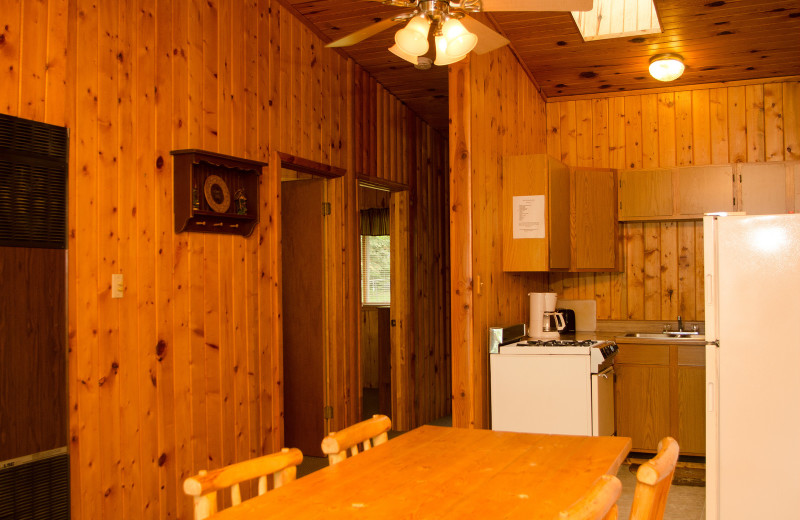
(385, 215)
(375, 286)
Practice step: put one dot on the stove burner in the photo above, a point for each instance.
(559, 343)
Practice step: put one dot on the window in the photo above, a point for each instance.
(375, 270)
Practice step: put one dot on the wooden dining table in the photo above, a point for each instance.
(435, 472)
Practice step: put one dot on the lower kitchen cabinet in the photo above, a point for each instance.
(659, 391)
(691, 409)
(642, 404)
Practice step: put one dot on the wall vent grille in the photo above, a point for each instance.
(33, 183)
(37, 490)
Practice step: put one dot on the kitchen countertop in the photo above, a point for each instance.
(621, 339)
(616, 331)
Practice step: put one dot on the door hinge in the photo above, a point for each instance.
(328, 412)
(326, 209)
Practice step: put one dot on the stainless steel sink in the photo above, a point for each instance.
(671, 335)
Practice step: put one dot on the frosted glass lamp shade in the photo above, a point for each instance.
(666, 67)
(397, 51)
(459, 40)
(413, 38)
(442, 58)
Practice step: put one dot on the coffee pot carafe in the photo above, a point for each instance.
(545, 321)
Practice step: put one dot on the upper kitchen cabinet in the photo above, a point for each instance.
(768, 188)
(704, 189)
(556, 218)
(689, 192)
(596, 240)
(536, 219)
(645, 194)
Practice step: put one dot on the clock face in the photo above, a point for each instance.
(218, 196)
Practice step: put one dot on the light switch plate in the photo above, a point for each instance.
(116, 286)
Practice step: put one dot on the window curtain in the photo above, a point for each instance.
(375, 222)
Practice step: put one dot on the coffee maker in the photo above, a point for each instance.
(545, 321)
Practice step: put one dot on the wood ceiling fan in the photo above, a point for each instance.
(448, 23)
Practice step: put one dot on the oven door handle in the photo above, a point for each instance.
(607, 372)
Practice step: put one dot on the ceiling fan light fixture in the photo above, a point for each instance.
(442, 57)
(413, 38)
(459, 40)
(397, 51)
(666, 67)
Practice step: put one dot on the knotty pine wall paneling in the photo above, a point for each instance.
(183, 373)
(430, 272)
(495, 110)
(663, 277)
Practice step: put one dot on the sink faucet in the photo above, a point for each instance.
(680, 323)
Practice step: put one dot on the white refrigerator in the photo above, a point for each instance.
(752, 288)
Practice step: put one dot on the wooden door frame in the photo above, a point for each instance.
(402, 339)
(291, 162)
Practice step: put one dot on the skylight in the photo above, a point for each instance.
(617, 19)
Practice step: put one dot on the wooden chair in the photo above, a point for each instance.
(599, 503)
(653, 480)
(369, 433)
(204, 486)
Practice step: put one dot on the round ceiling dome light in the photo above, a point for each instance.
(666, 67)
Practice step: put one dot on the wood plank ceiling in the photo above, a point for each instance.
(720, 41)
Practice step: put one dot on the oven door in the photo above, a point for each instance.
(603, 402)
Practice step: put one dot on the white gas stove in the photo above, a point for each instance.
(601, 353)
(554, 386)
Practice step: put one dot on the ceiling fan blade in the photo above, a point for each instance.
(488, 40)
(364, 33)
(536, 5)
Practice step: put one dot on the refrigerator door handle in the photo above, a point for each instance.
(710, 396)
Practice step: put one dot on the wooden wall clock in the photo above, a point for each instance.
(215, 193)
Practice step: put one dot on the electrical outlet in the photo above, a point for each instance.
(116, 286)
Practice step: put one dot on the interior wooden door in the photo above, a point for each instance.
(302, 246)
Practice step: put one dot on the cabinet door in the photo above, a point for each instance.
(642, 404)
(763, 189)
(524, 176)
(645, 194)
(558, 214)
(596, 230)
(691, 410)
(705, 189)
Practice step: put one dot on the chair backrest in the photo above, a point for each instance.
(204, 486)
(367, 434)
(599, 503)
(653, 480)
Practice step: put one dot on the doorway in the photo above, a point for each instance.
(303, 297)
(395, 353)
(375, 286)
